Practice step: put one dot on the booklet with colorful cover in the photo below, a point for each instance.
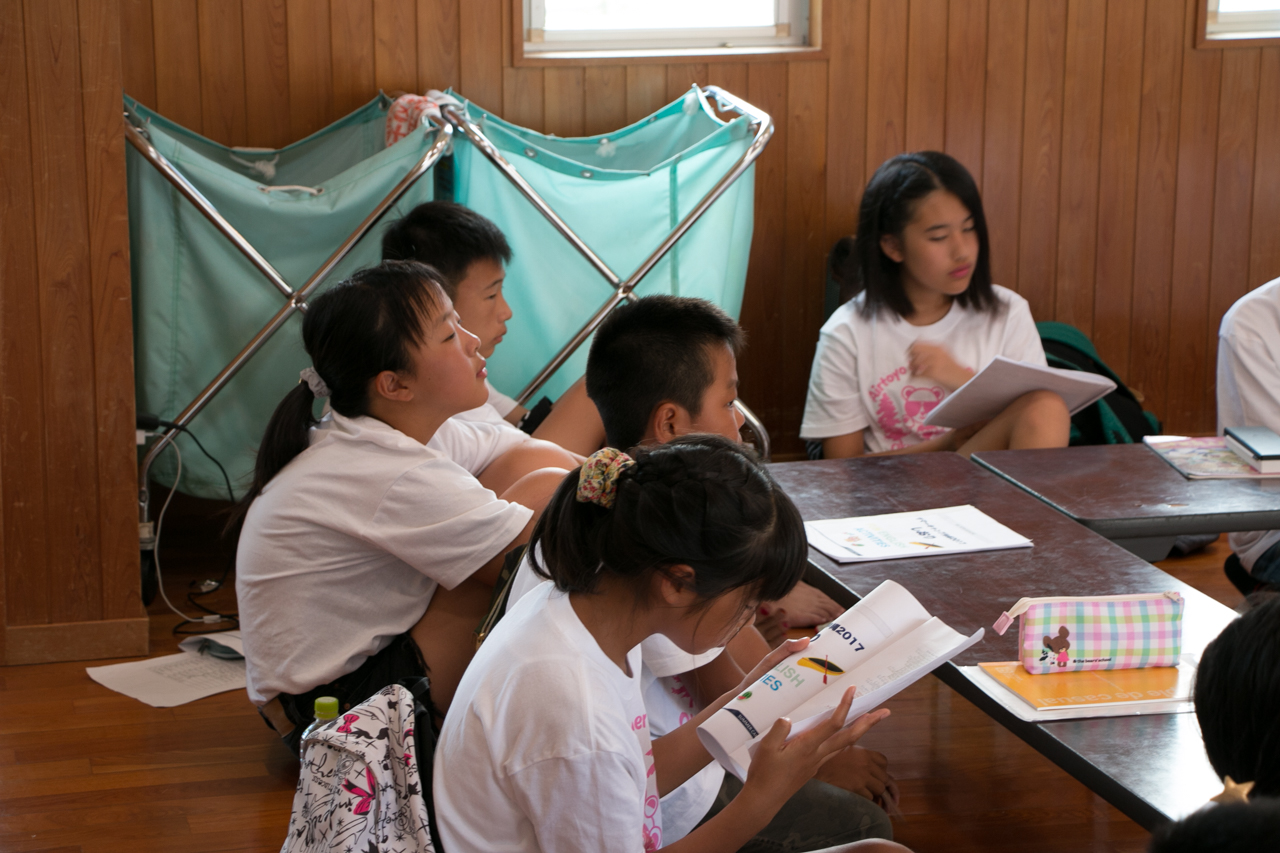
(881, 646)
(1202, 458)
(1004, 380)
(949, 530)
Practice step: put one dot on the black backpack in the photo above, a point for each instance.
(1117, 418)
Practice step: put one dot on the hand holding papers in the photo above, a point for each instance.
(882, 645)
(1002, 381)
(951, 530)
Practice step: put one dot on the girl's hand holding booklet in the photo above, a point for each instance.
(950, 530)
(880, 646)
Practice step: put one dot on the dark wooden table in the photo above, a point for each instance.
(1131, 496)
(1152, 768)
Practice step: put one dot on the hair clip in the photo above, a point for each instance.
(598, 476)
(318, 388)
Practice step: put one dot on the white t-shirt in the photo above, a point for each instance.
(860, 378)
(492, 410)
(1249, 385)
(342, 550)
(669, 705)
(475, 438)
(544, 747)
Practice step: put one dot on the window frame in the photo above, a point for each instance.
(818, 12)
(1207, 21)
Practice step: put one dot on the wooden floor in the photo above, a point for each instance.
(86, 769)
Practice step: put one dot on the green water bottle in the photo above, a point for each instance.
(326, 710)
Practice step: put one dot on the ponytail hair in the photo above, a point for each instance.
(888, 205)
(700, 501)
(355, 330)
(1237, 699)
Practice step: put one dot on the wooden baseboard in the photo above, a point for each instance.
(66, 641)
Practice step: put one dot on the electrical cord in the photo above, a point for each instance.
(211, 617)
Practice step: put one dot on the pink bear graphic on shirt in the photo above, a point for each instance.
(919, 402)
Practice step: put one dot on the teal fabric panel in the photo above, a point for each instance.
(622, 193)
(198, 301)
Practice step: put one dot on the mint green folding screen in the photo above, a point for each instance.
(213, 301)
(662, 206)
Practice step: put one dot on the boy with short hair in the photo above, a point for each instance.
(471, 254)
(659, 368)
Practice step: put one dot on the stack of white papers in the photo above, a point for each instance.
(206, 665)
(1002, 381)
(950, 530)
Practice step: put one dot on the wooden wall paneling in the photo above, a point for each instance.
(764, 300)
(523, 97)
(730, 76)
(805, 246)
(66, 299)
(563, 102)
(846, 117)
(1041, 155)
(682, 75)
(1081, 144)
(1232, 198)
(177, 51)
(604, 99)
(1264, 250)
(646, 90)
(351, 40)
(1117, 183)
(139, 59)
(927, 31)
(102, 81)
(966, 82)
(266, 72)
(1193, 236)
(1157, 185)
(23, 594)
(395, 51)
(222, 82)
(887, 94)
(1002, 134)
(438, 42)
(480, 52)
(310, 66)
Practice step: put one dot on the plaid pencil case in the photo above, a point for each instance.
(1101, 632)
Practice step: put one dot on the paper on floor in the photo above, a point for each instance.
(177, 679)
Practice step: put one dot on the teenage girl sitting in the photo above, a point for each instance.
(926, 317)
(547, 746)
(365, 556)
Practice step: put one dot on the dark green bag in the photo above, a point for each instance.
(1117, 418)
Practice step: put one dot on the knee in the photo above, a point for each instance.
(1044, 408)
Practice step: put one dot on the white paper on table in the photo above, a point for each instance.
(176, 679)
(947, 530)
(1003, 380)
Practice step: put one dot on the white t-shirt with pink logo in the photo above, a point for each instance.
(860, 380)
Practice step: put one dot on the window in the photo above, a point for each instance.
(1228, 21)
(582, 28)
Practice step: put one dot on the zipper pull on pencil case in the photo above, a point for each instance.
(1077, 633)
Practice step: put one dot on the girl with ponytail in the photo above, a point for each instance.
(547, 746)
(367, 556)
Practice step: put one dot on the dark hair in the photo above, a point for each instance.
(859, 265)
(654, 350)
(701, 501)
(1252, 827)
(1237, 697)
(353, 331)
(447, 236)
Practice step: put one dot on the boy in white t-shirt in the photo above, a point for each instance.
(661, 368)
(925, 319)
(366, 556)
(471, 253)
(1249, 395)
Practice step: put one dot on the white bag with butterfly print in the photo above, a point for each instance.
(359, 787)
